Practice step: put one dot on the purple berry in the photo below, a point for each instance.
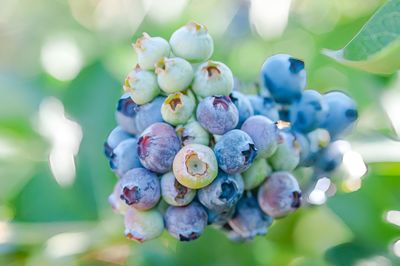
(217, 114)
(186, 223)
(174, 193)
(140, 188)
(157, 147)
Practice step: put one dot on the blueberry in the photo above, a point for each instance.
(217, 114)
(249, 221)
(174, 74)
(342, 114)
(279, 195)
(287, 155)
(331, 157)
(284, 77)
(141, 85)
(195, 166)
(125, 157)
(223, 193)
(157, 147)
(186, 223)
(117, 204)
(126, 113)
(243, 105)
(264, 133)
(148, 114)
(235, 151)
(174, 193)
(192, 42)
(265, 106)
(284, 111)
(150, 50)
(140, 188)
(193, 133)
(256, 174)
(218, 219)
(213, 78)
(116, 136)
(177, 108)
(308, 113)
(143, 225)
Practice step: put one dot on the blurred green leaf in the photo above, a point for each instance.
(376, 48)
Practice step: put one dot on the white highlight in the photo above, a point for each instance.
(269, 17)
(65, 137)
(354, 164)
(318, 195)
(396, 248)
(5, 232)
(61, 58)
(393, 217)
(162, 11)
(66, 244)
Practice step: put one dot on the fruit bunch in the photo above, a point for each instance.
(191, 150)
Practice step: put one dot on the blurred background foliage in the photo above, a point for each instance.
(62, 63)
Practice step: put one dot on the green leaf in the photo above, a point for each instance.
(376, 47)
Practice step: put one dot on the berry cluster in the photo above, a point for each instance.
(190, 150)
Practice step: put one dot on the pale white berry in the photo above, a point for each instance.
(174, 74)
(150, 50)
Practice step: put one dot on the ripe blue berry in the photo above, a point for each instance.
(157, 147)
(217, 114)
(342, 114)
(309, 112)
(249, 221)
(264, 133)
(218, 219)
(235, 151)
(265, 106)
(331, 157)
(279, 195)
(148, 114)
(116, 136)
(223, 193)
(174, 193)
(125, 157)
(126, 114)
(284, 77)
(140, 188)
(186, 223)
(243, 105)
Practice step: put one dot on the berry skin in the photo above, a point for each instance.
(177, 108)
(150, 50)
(174, 74)
(174, 193)
(143, 225)
(308, 113)
(140, 188)
(235, 151)
(117, 204)
(219, 219)
(287, 155)
(279, 195)
(157, 147)
(186, 223)
(195, 166)
(213, 78)
(116, 136)
(264, 106)
(192, 42)
(193, 133)
(330, 158)
(217, 114)
(125, 157)
(264, 133)
(141, 85)
(223, 193)
(256, 174)
(243, 105)
(249, 221)
(284, 77)
(342, 114)
(148, 114)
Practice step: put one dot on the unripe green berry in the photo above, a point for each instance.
(177, 108)
(142, 85)
(150, 50)
(213, 78)
(174, 74)
(256, 174)
(192, 42)
(193, 133)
